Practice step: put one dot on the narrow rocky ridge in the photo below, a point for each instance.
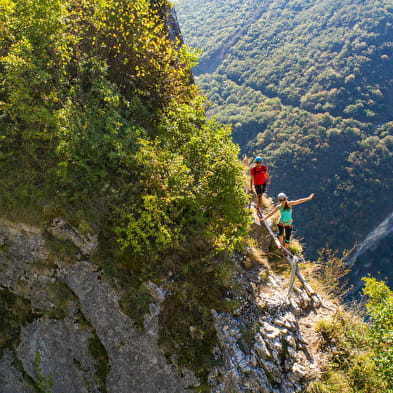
(270, 344)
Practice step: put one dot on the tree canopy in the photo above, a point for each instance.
(309, 87)
(100, 123)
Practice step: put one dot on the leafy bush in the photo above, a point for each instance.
(100, 123)
(360, 352)
(380, 308)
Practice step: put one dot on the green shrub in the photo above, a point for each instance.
(100, 124)
(360, 353)
(380, 308)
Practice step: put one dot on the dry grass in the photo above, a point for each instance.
(255, 256)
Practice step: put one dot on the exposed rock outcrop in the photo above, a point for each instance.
(76, 310)
(267, 345)
(87, 344)
(263, 346)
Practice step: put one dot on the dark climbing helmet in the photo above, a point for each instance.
(258, 159)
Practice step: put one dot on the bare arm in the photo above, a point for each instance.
(267, 177)
(274, 211)
(251, 181)
(299, 201)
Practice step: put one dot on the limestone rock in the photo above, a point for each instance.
(75, 305)
(60, 229)
(136, 362)
(64, 350)
(84, 308)
(11, 379)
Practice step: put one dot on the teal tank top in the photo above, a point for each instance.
(285, 216)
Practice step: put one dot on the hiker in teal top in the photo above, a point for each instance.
(285, 222)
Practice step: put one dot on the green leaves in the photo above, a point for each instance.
(361, 353)
(380, 308)
(310, 87)
(191, 180)
(150, 229)
(97, 95)
(100, 123)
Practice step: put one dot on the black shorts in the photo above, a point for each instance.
(287, 229)
(260, 189)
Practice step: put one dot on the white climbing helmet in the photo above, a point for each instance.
(281, 195)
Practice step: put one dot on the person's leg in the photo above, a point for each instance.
(288, 231)
(260, 199)
(281, 233)
(259, 191)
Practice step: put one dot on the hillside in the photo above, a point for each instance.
(308, 86)
(65, 325)
(128, 259)
(334, 56)
(103, 132)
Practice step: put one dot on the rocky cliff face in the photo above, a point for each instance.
(270, 343)
(61, 319)
(72, 320)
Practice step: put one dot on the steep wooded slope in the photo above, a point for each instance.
(308, 86)
(333, 56)
(102, 126)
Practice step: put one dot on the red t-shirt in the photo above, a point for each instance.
(259, 174)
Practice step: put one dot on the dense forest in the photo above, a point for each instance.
(309, 87)
(101, 124)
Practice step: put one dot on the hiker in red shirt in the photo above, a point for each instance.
(258, 176)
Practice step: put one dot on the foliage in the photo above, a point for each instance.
(100, 123)
(380, 308)
(360, 353)
(279, 50)
(308, 86)
(43, 383)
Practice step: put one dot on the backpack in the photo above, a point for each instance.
(263, 169)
